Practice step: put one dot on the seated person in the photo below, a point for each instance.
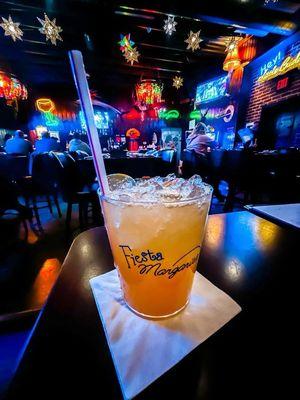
(198, 141)
(77, 144)
(46, 144)
(18, 145)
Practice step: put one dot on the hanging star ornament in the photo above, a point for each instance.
(193, 40)
(50, 29)
(231, 43)
(125, 42)
(131, 55)
(169, 26)
(11, 29)
(177, 82)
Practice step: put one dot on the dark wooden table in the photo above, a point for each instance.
(251, 259)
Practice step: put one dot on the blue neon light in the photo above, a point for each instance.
(211, 90)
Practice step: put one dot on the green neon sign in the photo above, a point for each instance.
(195, 114)
(170, 114)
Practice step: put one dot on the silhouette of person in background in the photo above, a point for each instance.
(18, 145)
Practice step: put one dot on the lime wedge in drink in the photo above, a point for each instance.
(120, 181)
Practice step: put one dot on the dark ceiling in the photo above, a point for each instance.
(95, 26)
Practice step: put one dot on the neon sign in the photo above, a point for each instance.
(101, 119)
(168, 114)
(212, 90)
(268, 66)
(46, 107)
(215, 113)
(288, 64)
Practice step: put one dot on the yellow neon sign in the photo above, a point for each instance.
(287, 65)
(45, 105)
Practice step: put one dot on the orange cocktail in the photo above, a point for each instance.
(156, 245)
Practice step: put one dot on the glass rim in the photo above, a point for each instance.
(204, 195)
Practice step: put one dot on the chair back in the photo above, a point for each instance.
(13, 167)
(69, 180)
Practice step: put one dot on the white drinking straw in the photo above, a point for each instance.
(82, 86)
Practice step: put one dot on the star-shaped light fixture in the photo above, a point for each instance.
(125, 42)
(50, 29)
(131, 55)
(193, 40)
(231, 43)
(11, 29)
(177, 82)
(169, 26)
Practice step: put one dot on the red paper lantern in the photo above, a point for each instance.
(247, 50)
(235, 80)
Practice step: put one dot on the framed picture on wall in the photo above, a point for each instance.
(171, 138)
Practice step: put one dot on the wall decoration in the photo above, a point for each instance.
(50, 29)
(193, 40)
(11, 28)
(289, 63)
(169, 26)
(177, 82)
(46, 107)
(225, 113)
(168, 114)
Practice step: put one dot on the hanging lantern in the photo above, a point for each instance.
(235, 80)
(247, 50)
(232, 60)
(11, 88)
(149, 92)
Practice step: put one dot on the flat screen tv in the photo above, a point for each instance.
(212, 90)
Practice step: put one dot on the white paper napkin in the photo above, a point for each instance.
(143, 350)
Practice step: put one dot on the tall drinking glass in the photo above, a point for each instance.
(156, 246)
